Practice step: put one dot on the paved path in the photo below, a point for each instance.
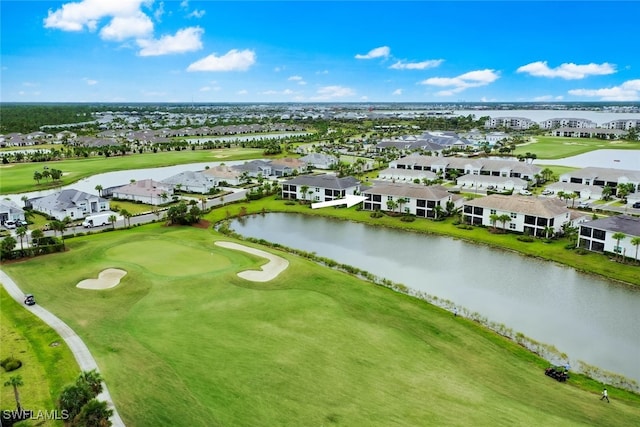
(76, 345)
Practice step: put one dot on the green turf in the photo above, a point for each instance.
(197, 345)
(46, 369)
(18, 178)
(552, 147)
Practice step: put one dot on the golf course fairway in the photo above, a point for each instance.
(182, 340)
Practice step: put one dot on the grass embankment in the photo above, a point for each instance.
(184, 341)
(45, 370)
(553, 250)
(552, 147)
(18, 177)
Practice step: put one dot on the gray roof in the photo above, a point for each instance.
(413, 191)
(64, 200)
(541, 207)
(626, 224)
(606, 174)
(189, 179)
(325, 181)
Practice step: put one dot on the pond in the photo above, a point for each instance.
(590, 319)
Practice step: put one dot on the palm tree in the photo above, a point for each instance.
(437, 211)
(391, 205)
(573, 197)
(607, 191)
(93, 379)
(164, 196)
(60, 226)
(547, 231)
(127, 216)
(635, 241)
(304, 189)
(494, 218)
(402, 201)
(21, 232)
(15, 382)
(94, 413)
(618, 236)
(24, 200)
(73, 398)
(99, 189)
(504, 218)
(36, 235)
(546, 174)
(112, 220)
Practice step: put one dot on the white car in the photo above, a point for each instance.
(547, 192)
(526, 192)
(10, 224)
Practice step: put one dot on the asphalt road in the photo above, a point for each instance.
(80, 351)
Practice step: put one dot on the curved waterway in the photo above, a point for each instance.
(590, 319)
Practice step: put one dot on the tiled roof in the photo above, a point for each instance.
(541, 207)
(619, 223)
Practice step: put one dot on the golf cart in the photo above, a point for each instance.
(29, 299)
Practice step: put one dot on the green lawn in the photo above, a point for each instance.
(552, 147)
(46, 369)
(184, 341)
(18, 178)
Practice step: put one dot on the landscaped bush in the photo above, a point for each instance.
(289, 203)
(376, 214)
(525, 238)
(10, 364)
(407, 218)
(464, 227)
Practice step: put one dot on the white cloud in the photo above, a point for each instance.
(89, 81)
(87, 13)
(298, 79)
(275, 92)
(184, 4)
(124, 27)
(431, 63)
(627, 91)
(159, 12)
(185, 40)
(379, 52)
(397, 92)
(332, 92)
(567, 71)
(242, 92)
(197, 14)
(322, 72)
(205, 89)
(234, 60)
(30, 84)
(464, 81)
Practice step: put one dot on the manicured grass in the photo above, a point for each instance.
(46, 369)
(18, 178)
(197, 345)
(551, 147)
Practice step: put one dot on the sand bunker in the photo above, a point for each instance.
(106, 279)
(269, 271)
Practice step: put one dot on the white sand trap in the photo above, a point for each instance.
(106, 279)
(269, 271)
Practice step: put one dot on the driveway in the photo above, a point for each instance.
(85, 360)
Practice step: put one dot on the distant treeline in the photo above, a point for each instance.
(26, 118)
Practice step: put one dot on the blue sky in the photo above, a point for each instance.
(326, 51)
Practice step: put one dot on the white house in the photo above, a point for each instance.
(10, 211)
(319, 188)
(419, 200)
(69, 203)
(529, 215)
(145, 191)
(192, 182)
(598, 235)
(490, 182)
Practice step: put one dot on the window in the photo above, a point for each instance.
(512, 226)
(389, 197)
(513, 215)
(493, 212)
(599, 234)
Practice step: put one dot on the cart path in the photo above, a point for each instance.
(80, 351)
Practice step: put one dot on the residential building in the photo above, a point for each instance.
(320, 161)
(457, 166)
(588, 133)
(145, 191)
(529, 215)
(567, 123)
(509, 123)
(10, 211)
(254, 168)
(603, 177)
(598, 235)
(192, 182)
(69, 203)
(406, 175)
(483, 183)
(223, 175)
(419, 200)
(288, 166)
(319, 188)
(622, 124)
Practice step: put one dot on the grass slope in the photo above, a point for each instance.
(45, 370)
(196, 345)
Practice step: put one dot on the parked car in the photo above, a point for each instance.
(546, 192)
(10, 224)
(636, 205)
(22, 223)
(526, 192)
(29, 299)
(583, 205)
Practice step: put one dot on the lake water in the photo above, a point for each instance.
(589, 319)
(615, 159)
(538, 116)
